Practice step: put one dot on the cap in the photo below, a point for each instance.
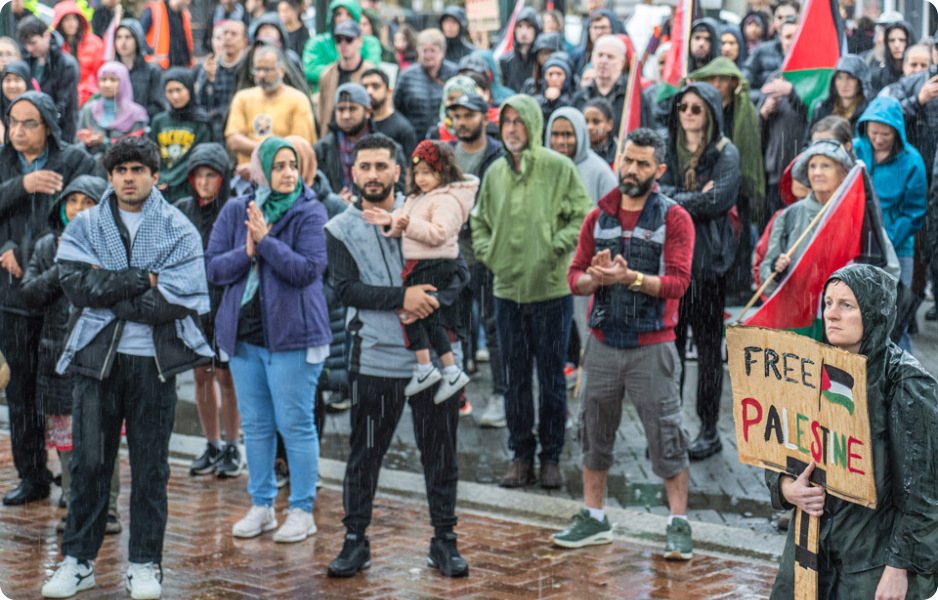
(832, 149)
(347, 28)
(356, 92)
(473, 102)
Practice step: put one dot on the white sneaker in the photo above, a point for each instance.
(70, 578)
(494, 415)
(482, 355)
(422, 380)
(451, 385)
(298, 526)
(144, 581)
(260, 519)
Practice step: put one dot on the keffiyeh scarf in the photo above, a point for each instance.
(166, 244)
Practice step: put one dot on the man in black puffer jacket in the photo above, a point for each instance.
(60, 72)
(35, 165)
(455, 26)
(518, 63)
(419, 90)
(703, 176)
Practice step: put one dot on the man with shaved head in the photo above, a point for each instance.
(612, 79)
(917, 59)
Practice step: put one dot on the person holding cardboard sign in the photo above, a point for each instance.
(890, 552)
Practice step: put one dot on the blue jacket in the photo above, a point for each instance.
(292, 260)
(899, 180)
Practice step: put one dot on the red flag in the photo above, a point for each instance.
(834, 243)
(632, 109)
(508, 40)
(675, 66)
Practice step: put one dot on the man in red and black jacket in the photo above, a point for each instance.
(634, 257)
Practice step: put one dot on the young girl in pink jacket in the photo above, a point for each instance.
(438, 204)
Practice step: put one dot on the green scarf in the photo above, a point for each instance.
(746, 133)
(272, 203)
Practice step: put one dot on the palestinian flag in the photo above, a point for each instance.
(810, 62)
(675, 66)
(834, 243)
(837, 387)
(632, 108)
(508, 39)
(109, 52)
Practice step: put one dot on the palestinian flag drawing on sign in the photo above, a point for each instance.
(813, 55)
(837, 387)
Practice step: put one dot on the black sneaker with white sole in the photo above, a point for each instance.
(445, 556)
(207, 462)
(230, 463)
(355, 556)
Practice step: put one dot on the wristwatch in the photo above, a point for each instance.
(636, 285)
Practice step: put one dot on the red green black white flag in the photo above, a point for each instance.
(837, 387)
(813, 55)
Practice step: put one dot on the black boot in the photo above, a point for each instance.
(445, 556)
(706, 445)
(355, 556)
(27, 491)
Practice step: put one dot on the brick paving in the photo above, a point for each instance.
(509, 561)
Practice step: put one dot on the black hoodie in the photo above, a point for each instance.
(144, 77)
(715, 246)
(886, 72)
(214, 156)
(60, 82)
(457, 47)
(535, 82)
(515, 67)
(23, 216)
(713, 28)
(41, 289)
(852, 65)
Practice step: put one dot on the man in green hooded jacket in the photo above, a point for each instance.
(890, 551)
(320, 51)
(525, 226)
(741, 126)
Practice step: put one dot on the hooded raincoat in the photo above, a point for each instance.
(856, 543)
(526, 221)
(320, 51)
(899, 180)
(90, 51)
(565, 98)
(23, 216)
(515, 67)
(740, 42)
(886, 72)
(457, 47)
(534, 84)
(597, 176)
(713, 28)
(715, 245)
(852, 65)
(146, 78)
(41, 289)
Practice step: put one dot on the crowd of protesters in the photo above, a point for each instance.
(357, 218)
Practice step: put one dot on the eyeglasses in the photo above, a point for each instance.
(28, 125)
(695, 109)
(263, 70)
(344, 39)
(9, 55)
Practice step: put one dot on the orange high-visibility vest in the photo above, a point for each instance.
(158, 36)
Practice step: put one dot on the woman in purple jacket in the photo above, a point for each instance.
(273, 323)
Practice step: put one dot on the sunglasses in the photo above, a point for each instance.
(695, 109)
(343, 39)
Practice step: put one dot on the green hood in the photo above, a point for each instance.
(876, 296)
(530, 112)
(351, 5)
(744, 131)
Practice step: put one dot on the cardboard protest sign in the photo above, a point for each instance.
(796, 400)
(483, 15)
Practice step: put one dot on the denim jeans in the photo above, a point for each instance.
(131, 394)
(526, 332)
(276, 392)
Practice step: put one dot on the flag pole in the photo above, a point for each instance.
(625, 109)
(794, 247)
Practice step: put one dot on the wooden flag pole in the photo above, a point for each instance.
(794, 247)
(806, 555)
(625, 109)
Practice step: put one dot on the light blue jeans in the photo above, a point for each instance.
(276, 392)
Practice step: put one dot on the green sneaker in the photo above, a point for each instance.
(584, 531)
(679, 546)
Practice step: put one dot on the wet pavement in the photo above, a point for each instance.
(509, 561)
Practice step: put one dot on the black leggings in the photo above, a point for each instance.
(425, 333)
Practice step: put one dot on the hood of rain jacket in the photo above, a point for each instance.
(743, 50)
(90, 53)
(714, 28)
(526, 222)
(900, 180)
(885, 73)
(597, 176)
